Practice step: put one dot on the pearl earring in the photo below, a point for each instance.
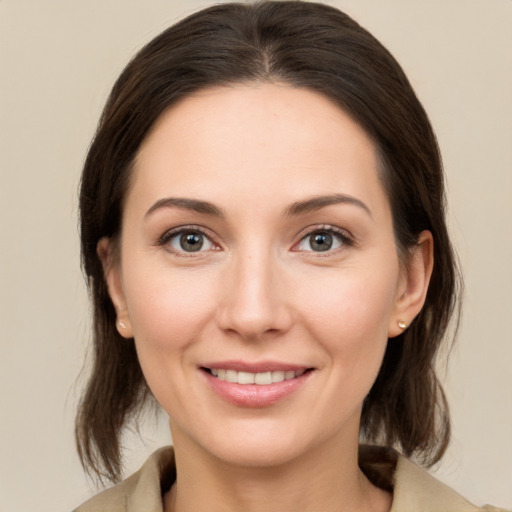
(402, 324)
(121, 324)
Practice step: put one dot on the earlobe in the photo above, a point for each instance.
(414, 284)
(112, 274)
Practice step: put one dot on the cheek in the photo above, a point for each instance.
(350, 312)
(167, 309)
(168, 313)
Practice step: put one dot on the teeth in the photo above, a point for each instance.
(246, 378)
(262, 379)
(231, 376)
(277, 376)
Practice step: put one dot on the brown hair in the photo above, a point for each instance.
(306, 45)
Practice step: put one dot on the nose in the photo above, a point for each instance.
(254, 298)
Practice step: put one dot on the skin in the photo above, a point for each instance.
(258, 290)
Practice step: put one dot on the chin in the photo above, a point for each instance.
(256, 453)
(262, 442)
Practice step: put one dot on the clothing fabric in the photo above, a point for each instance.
(414, 489)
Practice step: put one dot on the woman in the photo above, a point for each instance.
(263, 234)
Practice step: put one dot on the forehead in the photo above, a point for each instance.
(256, 138)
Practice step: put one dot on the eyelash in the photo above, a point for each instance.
(343, 237)
(175, 232)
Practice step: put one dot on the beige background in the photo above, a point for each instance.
(58, 60)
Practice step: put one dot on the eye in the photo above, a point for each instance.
(188, 241)
(323, 240)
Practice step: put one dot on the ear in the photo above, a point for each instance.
(112, 272)
(413, 285)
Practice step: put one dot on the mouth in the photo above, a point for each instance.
(260, 378)
(255, 384)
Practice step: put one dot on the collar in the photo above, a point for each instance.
(414, 489)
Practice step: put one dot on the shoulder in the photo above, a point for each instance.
(416, 489)
(141, 491)
(413, 488)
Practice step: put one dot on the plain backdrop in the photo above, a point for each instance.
(58, 60)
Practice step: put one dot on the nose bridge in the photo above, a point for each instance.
(253, 301)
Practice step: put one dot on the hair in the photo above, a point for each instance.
(307, 45)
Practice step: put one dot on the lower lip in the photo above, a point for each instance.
(255, 395)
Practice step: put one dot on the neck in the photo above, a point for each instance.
(324, 479)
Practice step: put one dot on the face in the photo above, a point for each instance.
(258, 272)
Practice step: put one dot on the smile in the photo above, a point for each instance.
(261, 379)
(266, 385)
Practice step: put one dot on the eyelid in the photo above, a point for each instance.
(345, 236)
(171, 233)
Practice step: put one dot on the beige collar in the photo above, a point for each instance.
(414, 489)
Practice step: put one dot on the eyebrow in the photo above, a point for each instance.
(318, 202)
(194, 205)
(297, 208)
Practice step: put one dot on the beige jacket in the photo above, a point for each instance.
(415, 490)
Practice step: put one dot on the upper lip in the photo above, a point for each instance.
(255, 367)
